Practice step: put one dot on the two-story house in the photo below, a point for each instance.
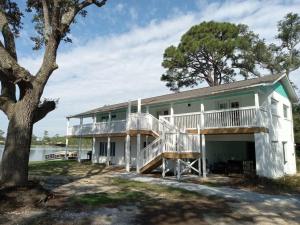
(246, 124)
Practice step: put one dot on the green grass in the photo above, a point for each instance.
(126, 185)
(134, 191)
(97, 199)
(64, 168)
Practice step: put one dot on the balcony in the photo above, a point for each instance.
(113, 127)
(246, 117)
(227, 118)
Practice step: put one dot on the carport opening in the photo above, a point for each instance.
(228, 157)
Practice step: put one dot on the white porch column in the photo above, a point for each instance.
(172, 113)
(127, 152)
(139, 106)
(178, 169)
(93, 159)
(108, 151)
(203, 152)
(80, 140)
(128, 116)
(163, 167)
(202, 116)
(258, 115)
(93, 156)
(127, 139)
(256, 100)
(138, 139)
(67, 139)
(147, 109)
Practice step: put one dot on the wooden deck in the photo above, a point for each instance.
(230, 130)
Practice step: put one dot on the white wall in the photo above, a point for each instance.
(269, 147)
(269, 158)
(120, 150)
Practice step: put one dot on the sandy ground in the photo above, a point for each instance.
(163, 208)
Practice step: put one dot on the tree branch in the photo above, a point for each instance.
(68, 17)
(47, 26)
(43, 109)
(9, 40)
(11, 69)
(6, 105)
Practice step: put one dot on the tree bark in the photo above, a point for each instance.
(14, 166)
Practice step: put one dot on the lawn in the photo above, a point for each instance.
(69, 168)
(97, 197)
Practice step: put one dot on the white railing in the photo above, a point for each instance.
(186, 120)
(117, 126)
(182, 142)
(240, 117)
(142, 121)
(151, 152)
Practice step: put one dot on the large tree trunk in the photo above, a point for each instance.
(15, 158)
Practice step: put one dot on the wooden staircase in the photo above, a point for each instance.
(170, 144)
(152, 165)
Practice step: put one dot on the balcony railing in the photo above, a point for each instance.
(117, 126)
(240, 117)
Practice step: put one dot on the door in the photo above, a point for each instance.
(235, 114)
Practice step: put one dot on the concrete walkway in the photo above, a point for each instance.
(223, 192)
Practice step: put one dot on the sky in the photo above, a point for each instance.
(117, 50)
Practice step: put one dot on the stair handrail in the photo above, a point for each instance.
(145, 156)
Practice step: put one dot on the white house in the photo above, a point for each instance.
(244, 126)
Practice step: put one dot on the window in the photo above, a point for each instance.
(223, 105)
(113, 116)
(104, 118)
(235, 105)
(274, 104)
(284, 152)
(113, 149)
(103, 149)
(285, 111)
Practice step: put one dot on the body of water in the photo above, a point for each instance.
(37, 153)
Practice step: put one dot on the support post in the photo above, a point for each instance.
(203, 151)
(108, 151)
(147, 109)
(258, 115)
(163, 167)
(127, 152)
(80, 141)
(93, 151)
(67, 139)
(199, 143)
(172, 113)
(128, 116)
(202, 116)
(178, 169)
(138, 138)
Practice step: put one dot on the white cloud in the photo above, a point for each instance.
(120, 7)
(112, 69)
(133, 13)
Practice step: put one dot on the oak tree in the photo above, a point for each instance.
(24, 107)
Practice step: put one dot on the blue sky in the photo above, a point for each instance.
(117, 50)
